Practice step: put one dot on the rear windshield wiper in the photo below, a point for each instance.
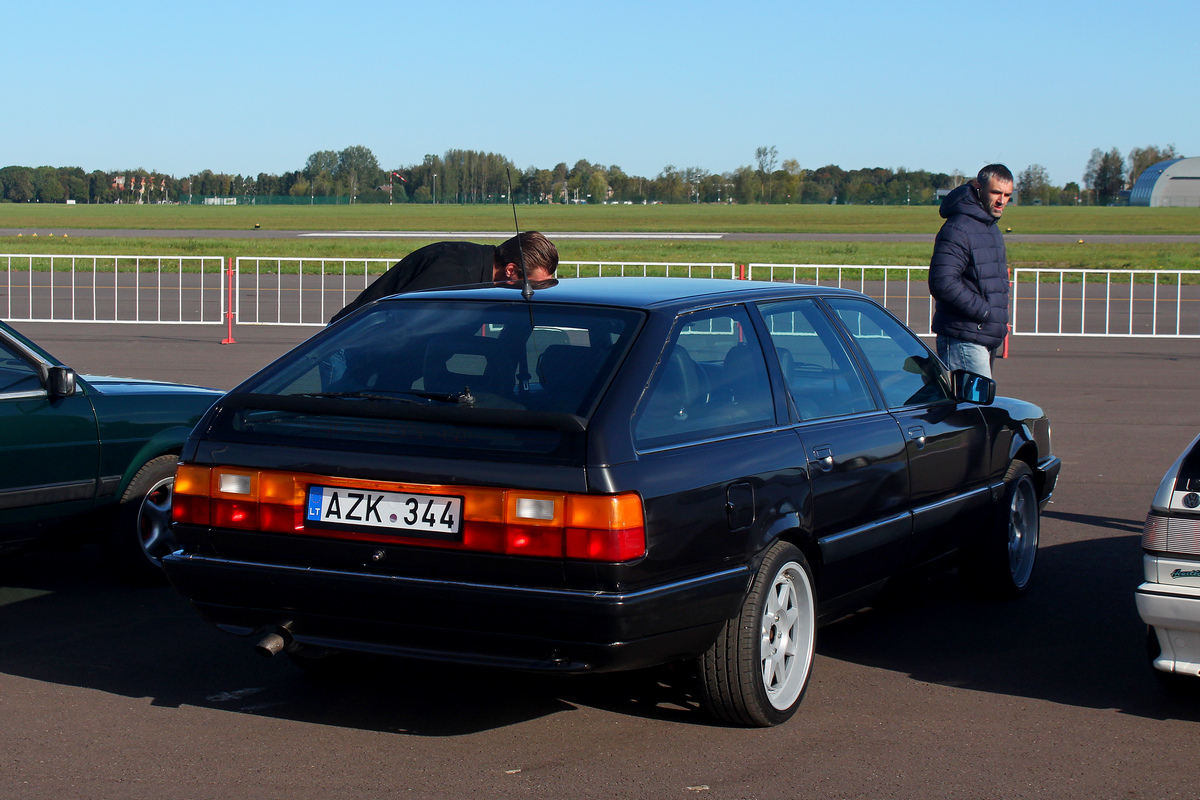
(353, 396)
(464, 397)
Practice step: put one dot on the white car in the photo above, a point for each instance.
(1168, 600)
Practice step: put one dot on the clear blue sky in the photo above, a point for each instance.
(248, 87)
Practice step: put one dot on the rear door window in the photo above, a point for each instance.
(820, 374)
(711, 381)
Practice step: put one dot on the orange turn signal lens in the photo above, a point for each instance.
(607, 528)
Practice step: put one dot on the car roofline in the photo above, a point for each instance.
(712, 291)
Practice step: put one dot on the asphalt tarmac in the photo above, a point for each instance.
(108, 691)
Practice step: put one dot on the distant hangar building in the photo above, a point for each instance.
(1174, 183)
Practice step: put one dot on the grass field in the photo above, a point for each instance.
(1082, 222)
(549, 218)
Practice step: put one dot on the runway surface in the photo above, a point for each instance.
(108, 691)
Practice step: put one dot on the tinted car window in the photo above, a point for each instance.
(907, 372)
(818, 370)
(16, 374)
(485, 379)
(711, 381)
(503, 355)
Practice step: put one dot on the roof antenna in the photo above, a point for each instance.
(526, 289)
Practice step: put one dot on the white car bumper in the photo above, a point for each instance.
(1174, 613)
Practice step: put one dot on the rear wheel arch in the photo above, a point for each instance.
(757, 670)
(806, 543)
(142, 535)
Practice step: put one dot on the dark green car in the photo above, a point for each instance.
(85, 458)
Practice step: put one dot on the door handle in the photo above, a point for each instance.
(917, 434)
(823, 455)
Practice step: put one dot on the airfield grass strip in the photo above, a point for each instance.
(1051, 256)
(1048, 256)
(1077, 221)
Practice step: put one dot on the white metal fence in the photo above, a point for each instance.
(299, 291)
(628, 269)
(1138, 303)
(902, 290)
(308, 291)
(84, 288)
(295, 291)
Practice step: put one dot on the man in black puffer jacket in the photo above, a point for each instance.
(968, 274)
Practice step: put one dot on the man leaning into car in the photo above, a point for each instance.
(968, 274)
(460, 264)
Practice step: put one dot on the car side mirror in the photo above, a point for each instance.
(972, 388)
(60, 382)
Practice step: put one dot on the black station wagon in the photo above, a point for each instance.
(613, 474)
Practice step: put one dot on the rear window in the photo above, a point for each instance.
(485, 376)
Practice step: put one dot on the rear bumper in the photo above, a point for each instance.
(1175, 618)
(522, 628)
(1047, 471)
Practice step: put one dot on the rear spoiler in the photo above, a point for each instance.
(382, 409)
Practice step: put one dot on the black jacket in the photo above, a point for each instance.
(432, 266)
(968, 274)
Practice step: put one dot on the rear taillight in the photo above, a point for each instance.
(606, 528)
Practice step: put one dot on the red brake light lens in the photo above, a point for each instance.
(609, 528)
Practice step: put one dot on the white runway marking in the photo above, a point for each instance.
(494, 235)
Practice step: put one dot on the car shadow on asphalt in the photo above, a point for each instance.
(1112, 523)
(1075, 639)
(65, 620)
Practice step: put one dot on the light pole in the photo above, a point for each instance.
(435, 188)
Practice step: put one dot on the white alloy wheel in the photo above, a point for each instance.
(788, 636)
(756, 671)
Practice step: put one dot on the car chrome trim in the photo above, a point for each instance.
(108, 485)
(874, 412)
(51, 493)
(865, 538)
(713, 439)
(457, 414)
(1168, 590)
(574, 594)
(32, 354)
(23, 395)
(961, 497)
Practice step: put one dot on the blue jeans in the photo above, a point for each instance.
(960, 354)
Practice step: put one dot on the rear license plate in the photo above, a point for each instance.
(342, 507)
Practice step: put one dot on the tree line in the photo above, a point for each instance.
(470, 176)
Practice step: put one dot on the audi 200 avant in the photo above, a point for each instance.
(612, 474)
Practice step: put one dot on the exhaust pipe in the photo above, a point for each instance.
(275, 642)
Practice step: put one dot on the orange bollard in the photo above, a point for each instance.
(229, 307)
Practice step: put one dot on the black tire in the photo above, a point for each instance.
(999, 564)
(757, 671)
(142, 536)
